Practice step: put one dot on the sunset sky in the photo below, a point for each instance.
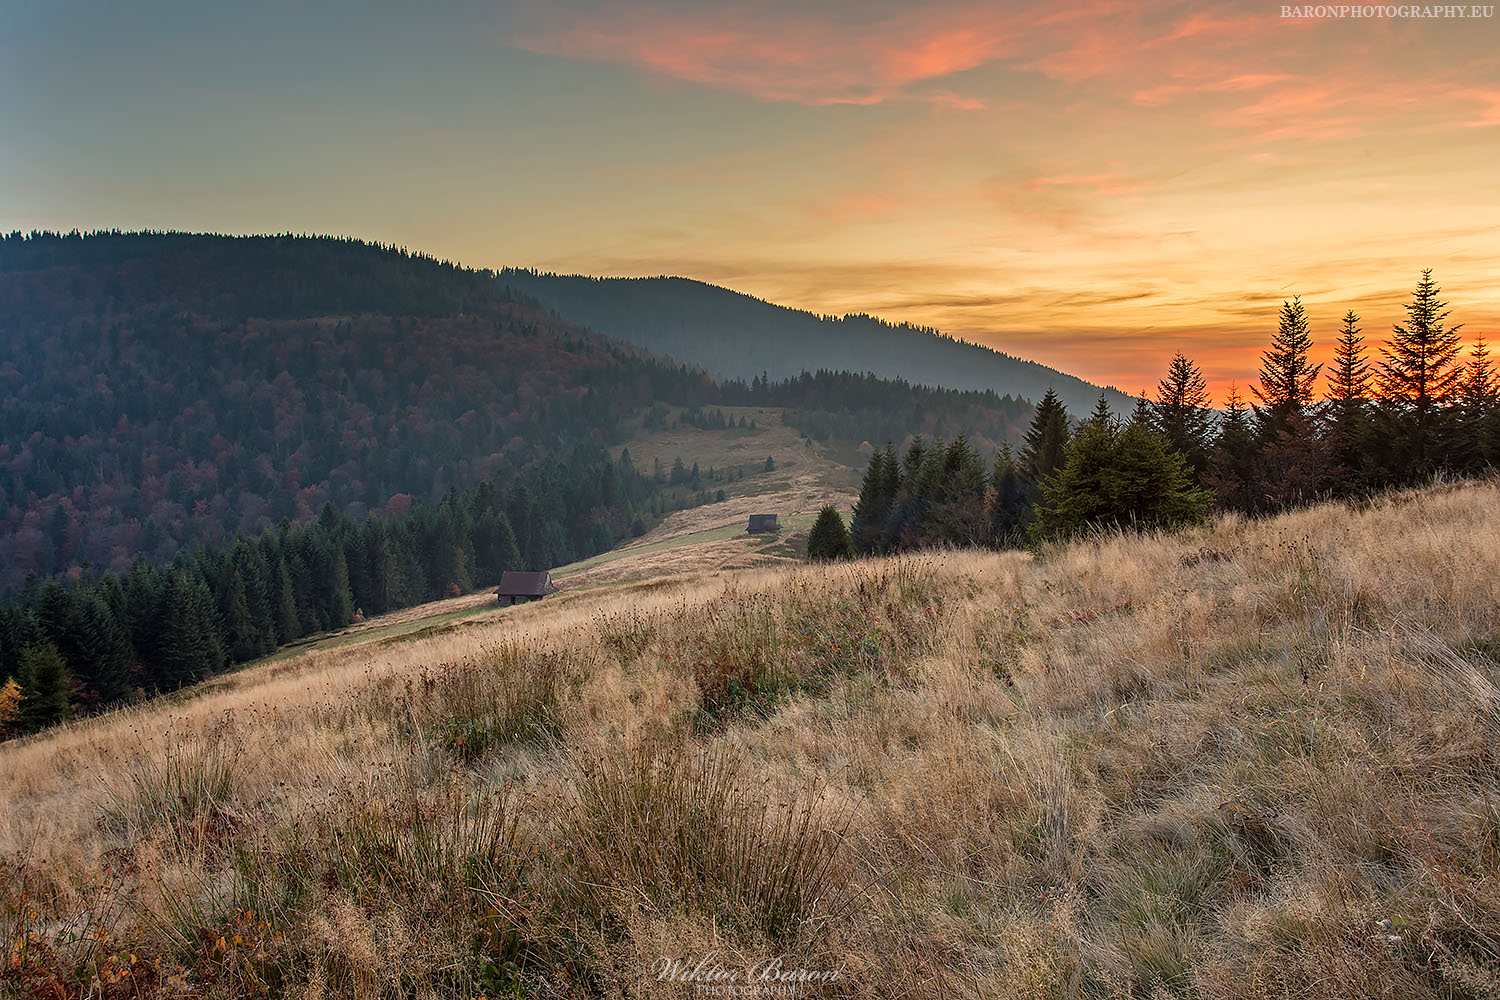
(1094, 185)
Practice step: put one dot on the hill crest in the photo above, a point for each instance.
(737, 335)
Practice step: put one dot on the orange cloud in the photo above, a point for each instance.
(780, 56)
(1144, 55)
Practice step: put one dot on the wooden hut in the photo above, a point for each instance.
(763, 524)
(519, 587)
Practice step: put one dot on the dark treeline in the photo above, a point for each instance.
(1418, 408)
(104, 639)
(847, 407)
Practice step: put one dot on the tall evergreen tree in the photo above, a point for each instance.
(340, 601)
(1419, 378)
(45, 687)
(189, 649)
(241, 638)
(100, 645)
(1295, 466)
(494, 547)
(867, 526)
(1479, 410)
(1141, 412)
(955, 513)
(1231, 466)
(1346, 409)
(1181, 412)
(1044, 448)
(1009, 501)
(1286, 375)
(1102, 416)
(284, 605)
(143, 610)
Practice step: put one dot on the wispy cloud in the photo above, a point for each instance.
(1297, 81)
(780, 54)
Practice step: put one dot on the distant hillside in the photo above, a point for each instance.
(739, 336)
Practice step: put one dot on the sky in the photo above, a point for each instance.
(1092, 184)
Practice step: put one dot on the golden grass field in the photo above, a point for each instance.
(1260, 759)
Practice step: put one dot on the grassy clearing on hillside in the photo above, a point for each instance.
(1257, 760)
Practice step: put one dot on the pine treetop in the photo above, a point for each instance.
(1350, 377)
(1421, 366)
(1286, 376)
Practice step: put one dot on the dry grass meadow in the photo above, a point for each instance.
(1257, 760)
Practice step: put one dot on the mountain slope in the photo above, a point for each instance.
(1255, 761)
(166, 390)
(739, 336)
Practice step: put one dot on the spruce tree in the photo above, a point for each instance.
(257, 576)
(867, 526)
(1231, 474)
(340, 601)
(1479, 410)
(1346, 410)
(1102, 416)
(1044, 448)
(189, 649)
(1418, 380)
(45, 688)
(890, 481)
(1009, 501)
(829, 539)
(284, 605)
(1286, 375)
(601, 539)
(1141, 412)
(1295, 467)
(100, 645)
(142, 610)
(241, 637)
(953, 511)
(10, 641)
(494, 548)
(1181, 412)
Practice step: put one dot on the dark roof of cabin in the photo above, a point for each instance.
(518, 584)
(762, 520)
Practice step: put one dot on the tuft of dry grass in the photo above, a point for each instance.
(1260, 759)
(692, 829)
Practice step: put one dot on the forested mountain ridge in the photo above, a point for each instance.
(165, 390)
(739, 336)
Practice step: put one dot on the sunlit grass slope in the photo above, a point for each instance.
(1257, 760)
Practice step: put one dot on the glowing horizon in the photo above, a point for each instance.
(1093, 185)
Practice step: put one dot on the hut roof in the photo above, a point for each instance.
(518, 584)
(763, 522)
